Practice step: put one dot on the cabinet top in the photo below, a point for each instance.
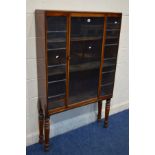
(48, 12)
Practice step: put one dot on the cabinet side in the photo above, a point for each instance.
(41, 58)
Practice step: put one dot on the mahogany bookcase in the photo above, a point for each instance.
(76, 62)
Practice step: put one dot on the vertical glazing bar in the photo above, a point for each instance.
(102, 57)
(67, 57)
(46, 59)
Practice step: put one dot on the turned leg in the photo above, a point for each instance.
(46, 131)
(107, 109)
(99, 110)
(41, 122)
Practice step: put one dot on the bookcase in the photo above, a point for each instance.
(76, 62)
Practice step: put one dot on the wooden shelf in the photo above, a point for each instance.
(109, 37)
(111, 23)
(92, 26)
(107, 84)
(58, 65)
(112, 58)
(111, 44)
(57, 40)
(63, 31)
(56, 81)
(75, 68)
(75, 39)
(79, 67)
(85, 38)
(57, 49)
(111, 71)
(54, 96)
(107, 64)
(113, 30)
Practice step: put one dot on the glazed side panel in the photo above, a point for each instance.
(111, 48)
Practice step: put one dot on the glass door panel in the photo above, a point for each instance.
(56, 44)
(85, 56)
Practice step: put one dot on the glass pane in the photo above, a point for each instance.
(108, 75)
(85, 56)
(110, 55)
(110, 52)
(113, 22)
(107, 89)
(56, 38)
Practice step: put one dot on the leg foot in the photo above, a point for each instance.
(99, 110)
(46, 128)
(41, 122)
(107, 109)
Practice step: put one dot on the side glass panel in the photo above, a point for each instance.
(110, 54)
(56, 40)
(85, 56)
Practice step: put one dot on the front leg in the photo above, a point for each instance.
(107, 109)
(99, 110)
(41, 122)
(46, 131)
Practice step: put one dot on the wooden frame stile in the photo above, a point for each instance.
(67, 57)
(47, 116)
(46, 60)
(102, 57)
(100, 72)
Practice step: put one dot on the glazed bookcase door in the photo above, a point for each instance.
(85, 56)
(56, 54)
(110, 54)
